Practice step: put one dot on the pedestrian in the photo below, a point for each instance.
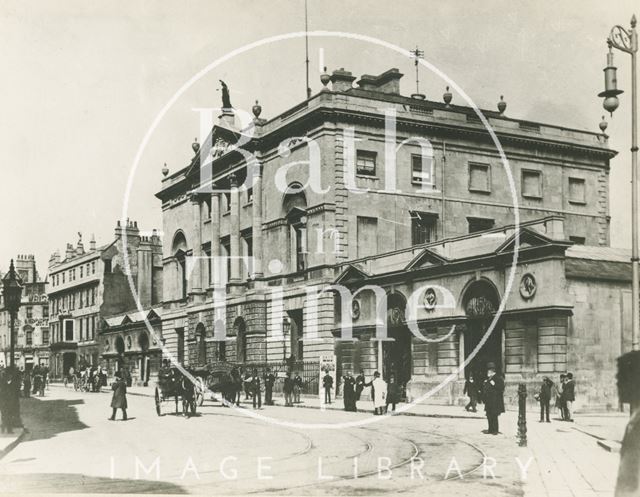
(559, 395)
(247, 385)
(26, 384)
(544, 397)
(471, 389)
(379, 393)
(327, 383)
(349, 392)
(5, 421)
(360, 384)
(569, 395)
(297, 387)
(236, 386)
(253, 384)
(628, 481)
(14, 384)
(493, 395)
(119, 398)
(269, 381)
(288, 390)
(393, 393)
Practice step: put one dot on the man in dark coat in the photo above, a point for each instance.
(471, 389)
(544, 397)
(26, 382)
(254, 387)
(360, 383)
(568, 396)
(269, 381)
(493, 395)
(393, 393)
(287, 389)
(297, 387)
(349, 393)
(628, 482)
(327, 384)
(119, 399)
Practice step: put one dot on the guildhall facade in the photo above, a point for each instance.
(361, 188)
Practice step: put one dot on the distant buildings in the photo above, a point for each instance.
(32, 323)
(89, 287)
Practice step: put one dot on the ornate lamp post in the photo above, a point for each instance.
(12, 292)
(627, 41)
(286, 326)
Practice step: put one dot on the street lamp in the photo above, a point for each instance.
(286, 326)
(12, 292)
(627, 41)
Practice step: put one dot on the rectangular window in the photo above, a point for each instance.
(422, 170)
(423, 227)
(367, 234)
(81, 271)
(477, 224)
(248, 252)
(93, 267)
(45, 311)
(366, 162)
(577, 191)
(226, 202)
(81, 304)
(81, 328)
(29, 336)
(68, 330)
(63, 278)
(226, 252)
(45, 336)
(249, 195)
(479, 178)
(578, 240)
(180, 333)
(531, 183)
(29, 312)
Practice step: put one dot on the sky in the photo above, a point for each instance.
(82, 82)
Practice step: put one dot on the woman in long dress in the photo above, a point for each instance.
(379, 387)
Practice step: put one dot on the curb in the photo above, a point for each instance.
(610, 446)
(14, 444)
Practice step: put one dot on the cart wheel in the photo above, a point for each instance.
(157, 398)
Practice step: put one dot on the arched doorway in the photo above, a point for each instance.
(201, 334)
(143, 342)
(396, 354)
(480, 302)
(179, 251)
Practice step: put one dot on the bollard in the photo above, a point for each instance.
(522, 415)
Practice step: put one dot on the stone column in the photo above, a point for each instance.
(235, 231)
(196, 275)
(215, 232)
(256, 231)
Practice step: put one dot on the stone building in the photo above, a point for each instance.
(32, 321)
(360, 185)
(88, 286)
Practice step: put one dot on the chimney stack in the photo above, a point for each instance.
(342, 80)
(92, 243)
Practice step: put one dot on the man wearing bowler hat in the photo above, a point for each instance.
(493, 395)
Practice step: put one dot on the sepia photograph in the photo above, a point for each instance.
(319, 248)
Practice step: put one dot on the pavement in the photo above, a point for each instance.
(70, 443)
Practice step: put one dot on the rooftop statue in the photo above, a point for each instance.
(226, 101)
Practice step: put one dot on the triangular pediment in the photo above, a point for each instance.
(221, 139)
(426, 258)
(352, 274)
(528, 238)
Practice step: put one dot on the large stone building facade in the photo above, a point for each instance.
(359, 185)
(89, 286)
(32, 320)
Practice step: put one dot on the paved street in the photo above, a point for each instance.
(225, 451)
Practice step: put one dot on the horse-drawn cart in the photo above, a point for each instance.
(172, 384)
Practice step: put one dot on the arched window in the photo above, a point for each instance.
(241, 337)
(201, 343)
(294, 205)
(179, 251)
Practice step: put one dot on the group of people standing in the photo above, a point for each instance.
(564, 393)
(490, 391)
(383, 394)
(15, 383)
(252, 383)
